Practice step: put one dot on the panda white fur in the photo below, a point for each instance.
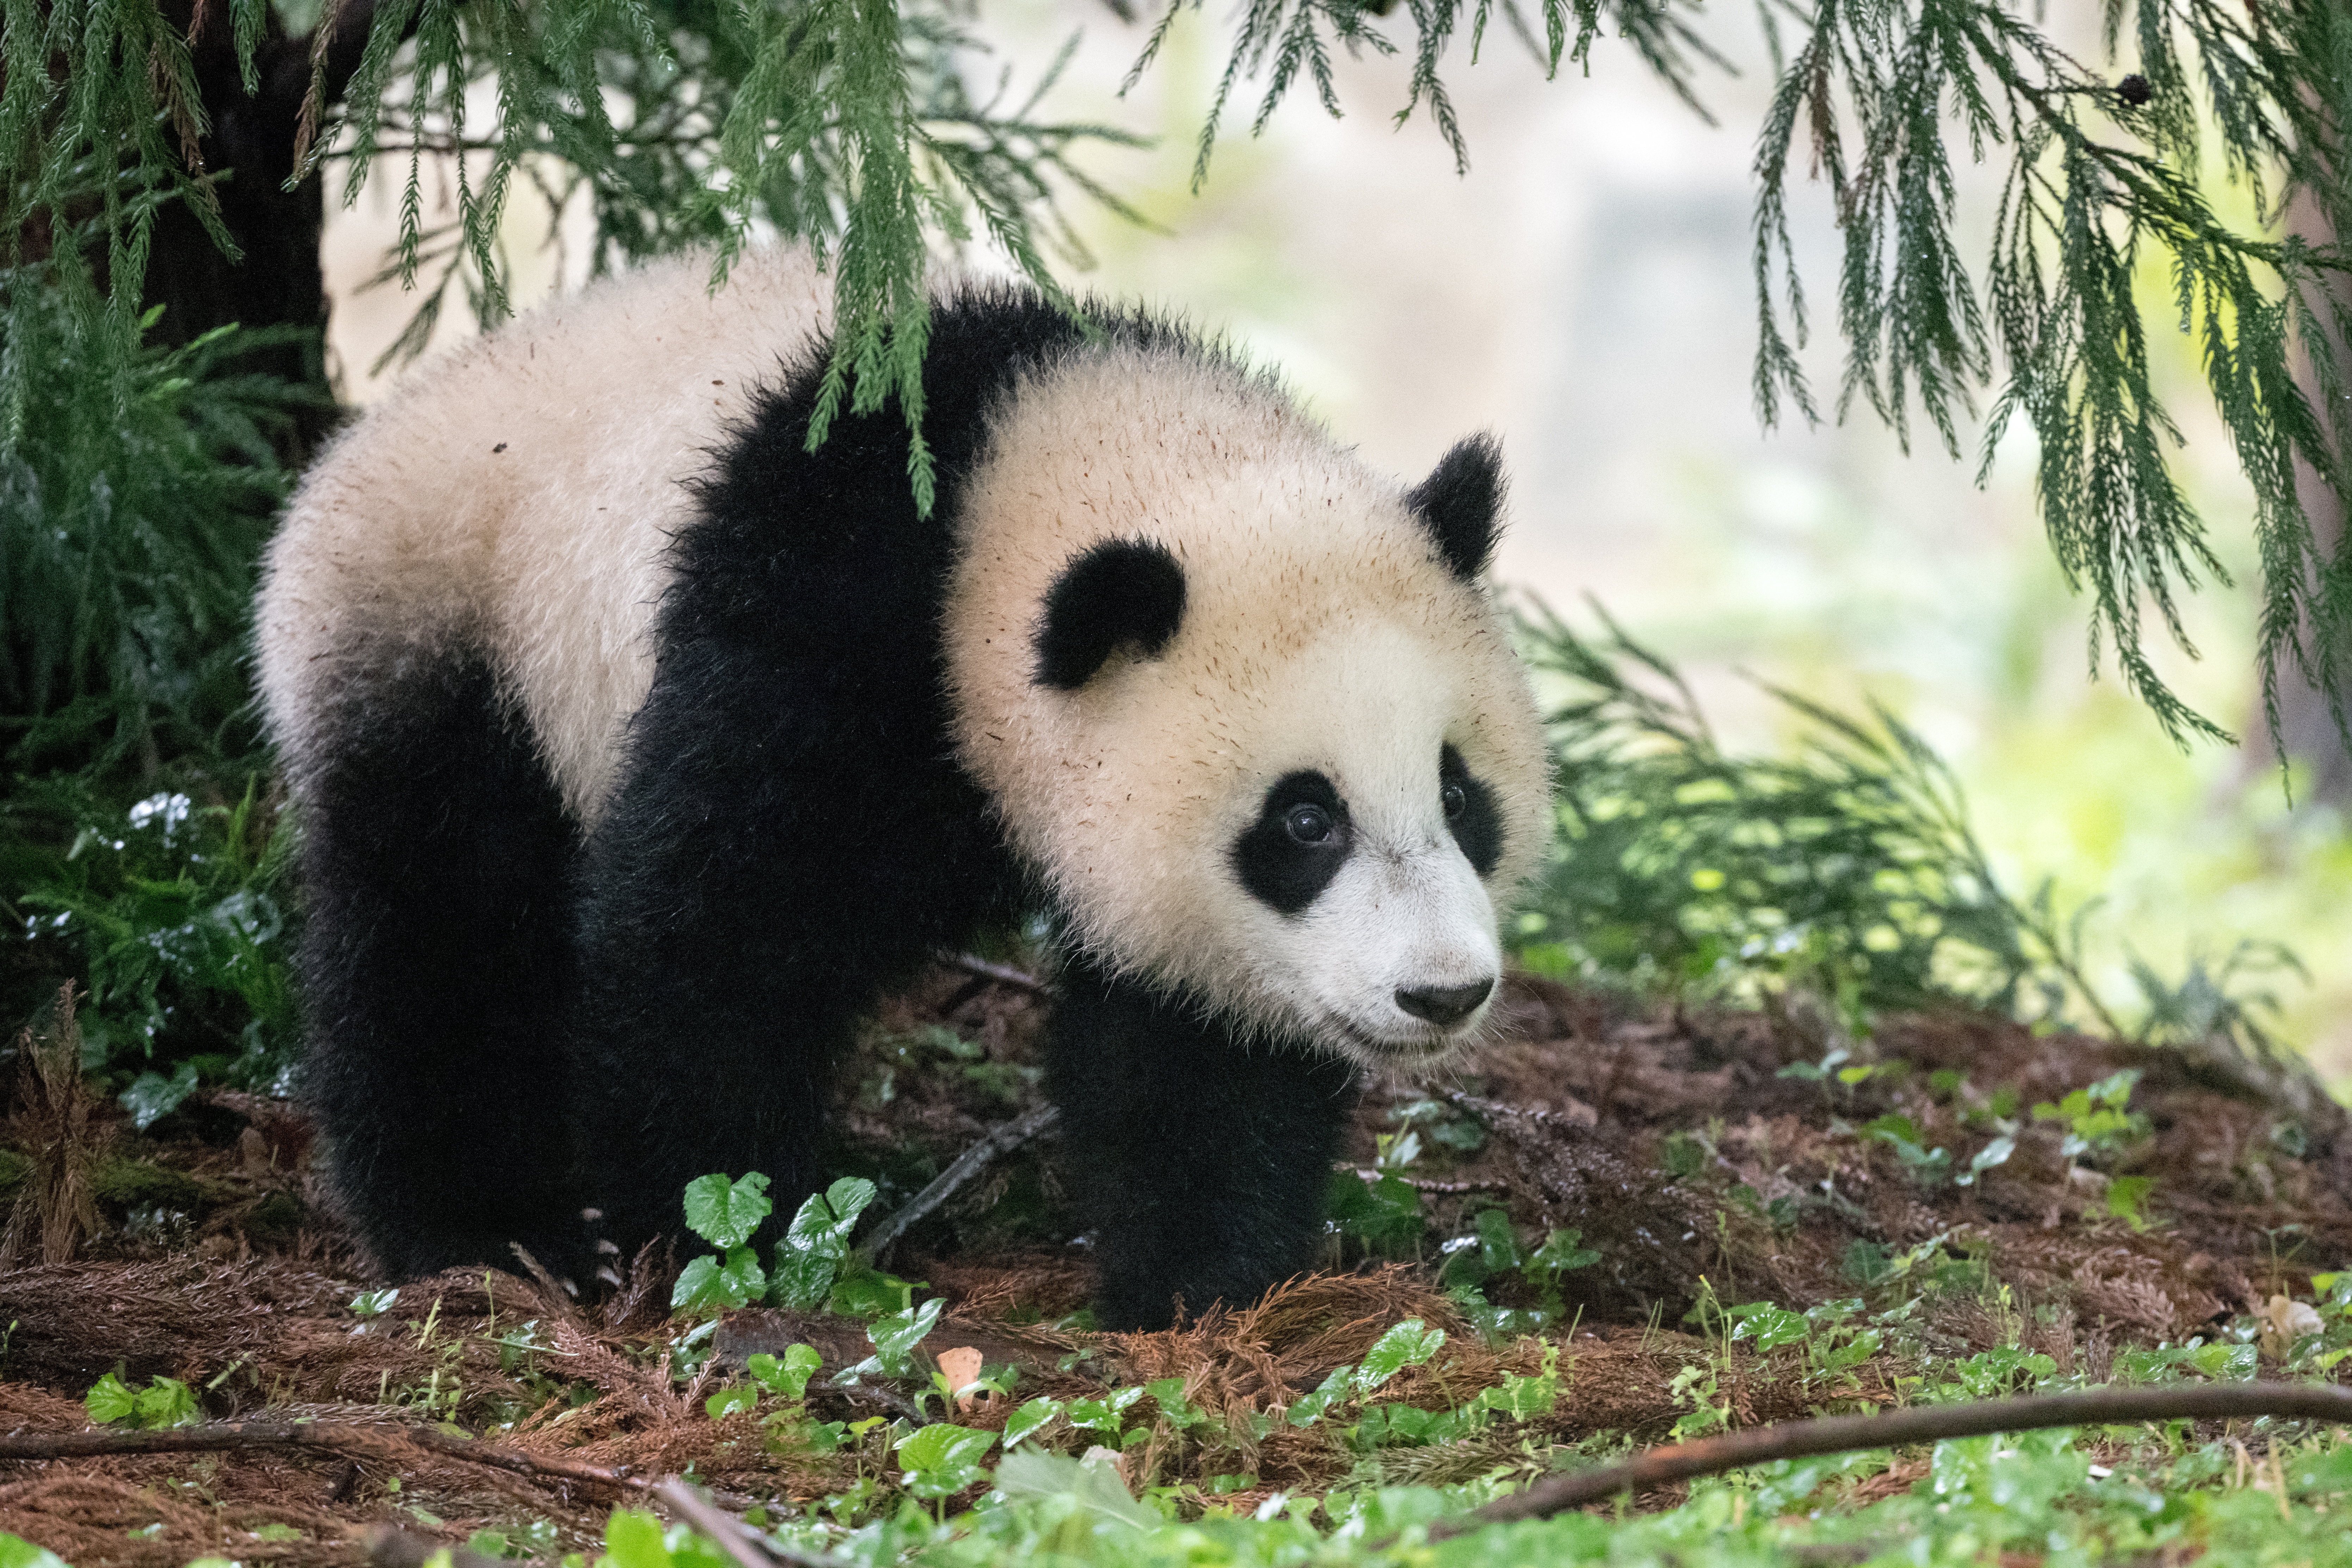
(636, 747)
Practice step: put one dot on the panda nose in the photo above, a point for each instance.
(1445, 1005)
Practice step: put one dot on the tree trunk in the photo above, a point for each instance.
(250, 150)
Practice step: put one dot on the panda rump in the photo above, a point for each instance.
(636, 747)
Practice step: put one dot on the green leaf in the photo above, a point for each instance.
(167, 1402)
(894, 1338)
(1996, 1152)
(152, 1096)
(16, 1552)
(1384, 1213)
(730, 1401)
(942, 1445)
(1096, 1488)
(1031, 1418)
(634, 1540)
(2127, 1198)
(109, 1400)
(1308, 1409)
(1767, 1327)
(786, 1378)
(1167, 1393)
(1409, 1343)
(709, 1285)
(725, 1212)
(1561, 1252)
(815, 1246)
(1103, 1415)
(698, 1284)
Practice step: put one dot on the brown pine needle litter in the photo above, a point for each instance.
(1701, 1174)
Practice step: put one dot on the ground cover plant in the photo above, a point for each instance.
(1686, 1194)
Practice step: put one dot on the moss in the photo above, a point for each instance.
(129, 1182)
(13, 1167)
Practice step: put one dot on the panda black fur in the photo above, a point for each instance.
(637, 748)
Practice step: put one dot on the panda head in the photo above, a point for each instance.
(1243, 704)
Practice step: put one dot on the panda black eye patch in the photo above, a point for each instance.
(1470, 814)
(1297, 844)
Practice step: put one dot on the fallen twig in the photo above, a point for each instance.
(1892, 1428)
(1002, 1139)
(378, 1442)
(1003, 974)
(1419, 1184)
(748, 1550)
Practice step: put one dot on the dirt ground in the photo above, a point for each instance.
(1673, 1140)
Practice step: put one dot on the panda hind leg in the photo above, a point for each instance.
(436, 860)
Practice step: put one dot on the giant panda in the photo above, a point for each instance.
(635, 747)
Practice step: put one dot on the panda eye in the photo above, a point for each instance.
(1456, 799)
(1307, 823)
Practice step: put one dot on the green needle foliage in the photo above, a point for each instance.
(1283, 39)
(1848, 868)
(134, 497)
(2103, 182)
(845, 124)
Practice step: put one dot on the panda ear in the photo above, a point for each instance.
(1459, 503)
(1121, 591)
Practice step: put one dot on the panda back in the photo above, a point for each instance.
(514, 500)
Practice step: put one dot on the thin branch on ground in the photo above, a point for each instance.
(745, 1547)
(1002, 974)
(374, 1441)
(1894, 1428)
(1001, 1140)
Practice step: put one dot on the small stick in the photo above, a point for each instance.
(1892, 1428)
(1001, 1140)
(1002, 974)
(374, 1441)
(748, 1550)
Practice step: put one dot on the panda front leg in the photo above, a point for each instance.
(1200, 1160)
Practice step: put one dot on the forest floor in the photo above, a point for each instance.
(1786, 1221)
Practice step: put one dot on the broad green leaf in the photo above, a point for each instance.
(942, 1445)
(16, 1552)
(1310, 1409)
(152, 1096)
(1029, 1418)
(1498, 1244)
(810, 1258)
(1168, 1392)
(697, 1284)
(725, 1212)
(109, 1400)
(1098, 1488)
(1996, 1152)
(1409, 1343)
(787, 1378)
(634, 1540)
(1560, 1252)
(862, 1292)
(894, 1338)
(2126, 1198)
(730, 1401)
(1767, 1327)
(1103, 1414)
(167, 1402)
